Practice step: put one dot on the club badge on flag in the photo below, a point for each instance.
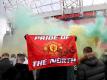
(51, 51)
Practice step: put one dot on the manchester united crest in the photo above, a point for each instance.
(57, 49)
(52, 48)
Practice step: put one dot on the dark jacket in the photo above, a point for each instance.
(5, 64)
(53, 73)
(91, 69)
(56, 73)
(18, 72)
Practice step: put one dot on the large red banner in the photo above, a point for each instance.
(51, 51)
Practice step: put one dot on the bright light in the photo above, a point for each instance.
(3, 28)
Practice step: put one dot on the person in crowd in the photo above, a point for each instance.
(104, 59)
(5, 64)
(13, 59)
(90, 67)
(20, 71)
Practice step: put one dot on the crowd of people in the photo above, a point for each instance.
(15, 67)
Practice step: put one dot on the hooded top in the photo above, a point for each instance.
(91, 69)
(91, 61)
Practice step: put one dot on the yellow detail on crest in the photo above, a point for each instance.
(53, 47)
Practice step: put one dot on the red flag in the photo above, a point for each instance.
(51, 51)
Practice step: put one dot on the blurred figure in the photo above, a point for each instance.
(20, 71)
(13, 59)
(90, 67)
(104, 59)
(5, 64)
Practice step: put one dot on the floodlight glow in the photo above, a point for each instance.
(3, 28)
